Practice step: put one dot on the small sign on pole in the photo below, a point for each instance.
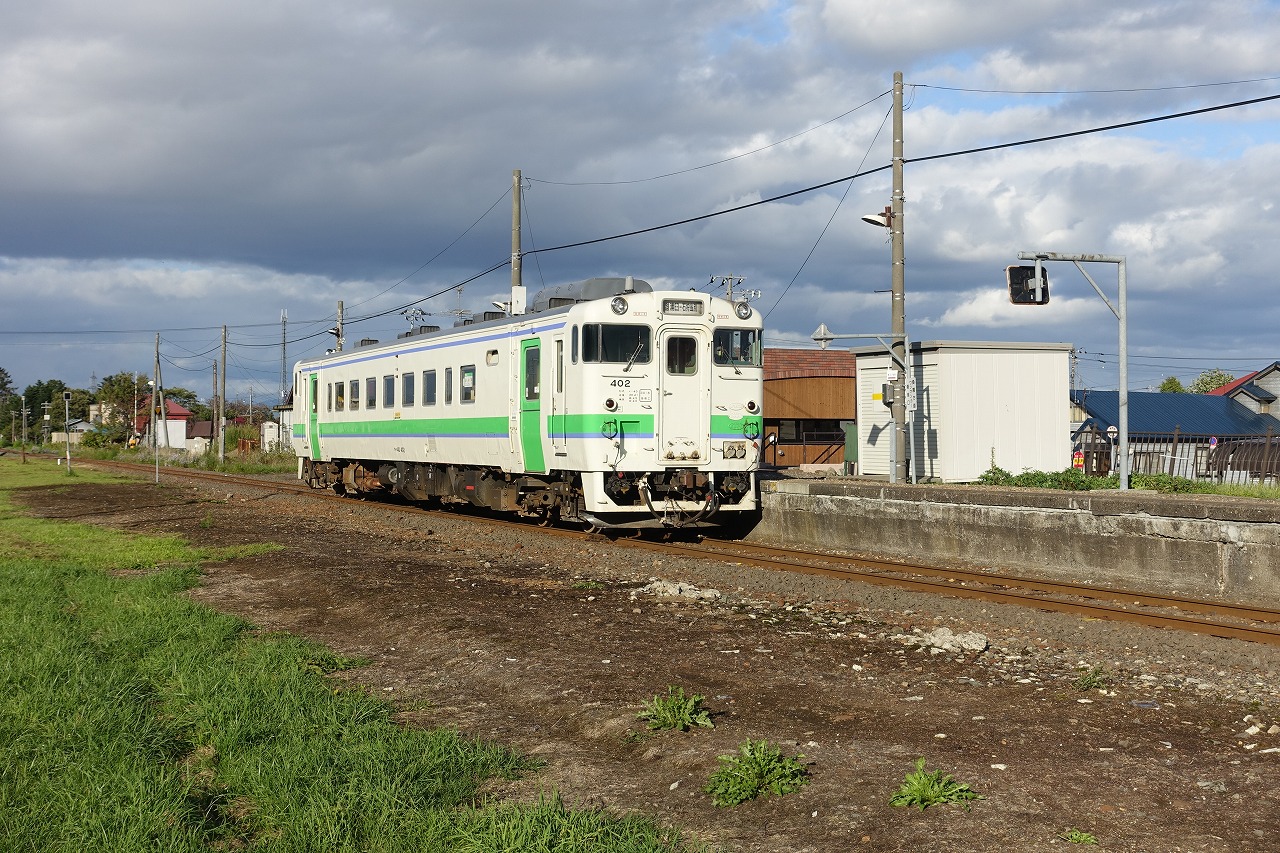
(1112, 432)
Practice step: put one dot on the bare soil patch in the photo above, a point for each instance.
(551, 646)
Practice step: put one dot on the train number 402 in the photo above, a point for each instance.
(621, 383)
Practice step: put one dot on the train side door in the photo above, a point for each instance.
(313, 415)
(531, 406)
(683, 420)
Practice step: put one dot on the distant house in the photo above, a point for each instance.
(174, 433)
(1190, 435)
(1257, 391)
(810, 403)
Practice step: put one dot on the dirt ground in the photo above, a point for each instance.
(551, 646)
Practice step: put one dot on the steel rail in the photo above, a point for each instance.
(897, 575)
(884, 573)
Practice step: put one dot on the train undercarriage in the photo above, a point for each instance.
(678, 498)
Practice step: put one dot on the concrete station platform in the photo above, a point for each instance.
(1205, 546)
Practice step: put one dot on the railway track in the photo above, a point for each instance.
(1200, 616)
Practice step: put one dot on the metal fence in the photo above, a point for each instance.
(1239, 459)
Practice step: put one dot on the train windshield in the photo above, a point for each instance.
(738, 347)
(616, 343)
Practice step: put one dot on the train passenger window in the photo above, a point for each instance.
(532, 368)
(329, 398)
(428, 387)
(616, 343)
(573, 346)
(467, 383)
(406, 389)
(388, 392)
(339, 396)
(371, 393)
(448, 385)
(738, 347)
(355, 394)
(682, 356)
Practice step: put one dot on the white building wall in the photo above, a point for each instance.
(977, 402)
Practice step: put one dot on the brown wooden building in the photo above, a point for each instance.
(809, 395)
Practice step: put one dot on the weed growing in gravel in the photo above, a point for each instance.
(586, 585)
(1096, 678)
(1077, 836)
(757, 768)
(676, 711)
(923, 788)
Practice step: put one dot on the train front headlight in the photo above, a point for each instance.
(743, 310)
(618, 304)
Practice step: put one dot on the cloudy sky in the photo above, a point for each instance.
(173, 167)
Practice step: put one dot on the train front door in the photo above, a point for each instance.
(531, 406)
(313, 415)
(683, 427)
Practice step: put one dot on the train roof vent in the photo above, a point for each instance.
(367, 342)
(465, 321)
(494, 315)
(418, 330)
(585, 291)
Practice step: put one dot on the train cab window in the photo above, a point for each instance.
(682, 356)
(428, 387)
(355, 394)
(467, 384)
(388, 392)
(371, 393)
(737, 347)
(330, 398)
(407, 389)
(616, 343)
(448, 385)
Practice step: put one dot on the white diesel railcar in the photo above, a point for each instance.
(607, 403)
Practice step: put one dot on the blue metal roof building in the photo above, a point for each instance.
(1154, 413)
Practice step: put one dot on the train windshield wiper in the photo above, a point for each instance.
(634, 355)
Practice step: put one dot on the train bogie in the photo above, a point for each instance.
(608, 403)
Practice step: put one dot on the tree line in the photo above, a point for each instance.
(122, 397)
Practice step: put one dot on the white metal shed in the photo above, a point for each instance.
(977, 402)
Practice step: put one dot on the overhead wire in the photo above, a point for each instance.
(716, 162)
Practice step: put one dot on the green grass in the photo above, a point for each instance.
(1096, 678)
(676, 711)
(923, 788)
(1077, 836)
(1073, 480)
(133, 718)
(758, 768)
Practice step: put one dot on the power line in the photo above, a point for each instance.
(717, 162)
(1092, 91)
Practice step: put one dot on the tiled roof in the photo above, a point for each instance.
(1192, 414)
(1224, 390)
(1257, 392)
(805, 363)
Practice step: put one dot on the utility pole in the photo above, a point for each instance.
(284, 325)
(518, 301)
(66, 425)
(898, 289)
(213, 415)
(340, 333)
(222, 401)
(24, 429)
